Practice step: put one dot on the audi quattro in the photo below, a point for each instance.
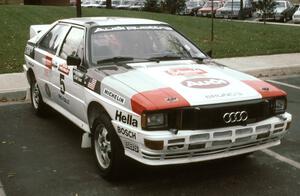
(140, 89)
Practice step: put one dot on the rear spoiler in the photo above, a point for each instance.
(36, 29)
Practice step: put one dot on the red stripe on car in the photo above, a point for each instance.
(265, 89)
(48, 62)
(159, 99)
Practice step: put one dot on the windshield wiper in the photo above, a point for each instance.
(166, 57)
(115, 59)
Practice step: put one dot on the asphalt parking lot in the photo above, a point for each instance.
(43, 157)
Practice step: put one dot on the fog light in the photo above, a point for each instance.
(154, 145)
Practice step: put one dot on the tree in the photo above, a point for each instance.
(151, 6)
(173, 6)
(108, 4)
(266, 8)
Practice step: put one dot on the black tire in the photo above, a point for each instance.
(108, 148)
(38, 105)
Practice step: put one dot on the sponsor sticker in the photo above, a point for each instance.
(171, 99)
(64, 69)
(92, 84)
(126, 119)
(131, 146)
(127, 133)
(47, 89)
(114, 96)
(205, 83)
(131, 28)
(222, 95)
(48, 62)
(63, 99)
(78, 77)
(185, 71)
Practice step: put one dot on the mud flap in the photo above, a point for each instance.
(86, 141)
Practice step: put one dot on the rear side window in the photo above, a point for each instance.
(53, 38)
(73, 44)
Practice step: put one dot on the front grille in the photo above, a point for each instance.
(211, 116)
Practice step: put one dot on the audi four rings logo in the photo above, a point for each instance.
(232, 117)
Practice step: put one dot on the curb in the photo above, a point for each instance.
(23, 94)
(14, 95)
(272, 72)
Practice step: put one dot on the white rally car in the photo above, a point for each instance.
(139, 88)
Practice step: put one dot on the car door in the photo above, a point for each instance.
(44, 55)
(68, 94)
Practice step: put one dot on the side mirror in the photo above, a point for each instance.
(73, 60)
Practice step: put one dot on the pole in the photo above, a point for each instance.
(231, 9)
(212, 21)
(78, 8)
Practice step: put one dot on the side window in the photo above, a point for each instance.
(73, 44)
(53, 38)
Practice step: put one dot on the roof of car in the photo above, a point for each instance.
(110, 21)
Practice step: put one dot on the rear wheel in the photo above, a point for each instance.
(108, 148)
(37, 102)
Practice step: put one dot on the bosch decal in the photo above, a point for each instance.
(205, 83)
(131, 146)
(126, 133)
(127, 119)
(185, 71)
(114, 96)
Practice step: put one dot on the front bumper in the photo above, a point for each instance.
(201, 145)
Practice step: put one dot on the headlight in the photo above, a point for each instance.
(280, 105)
(154, 120)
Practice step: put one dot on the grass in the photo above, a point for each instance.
(231, 38)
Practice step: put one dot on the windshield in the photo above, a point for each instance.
(192, 4)
(139, 42)
(234, 4)
(280, 4)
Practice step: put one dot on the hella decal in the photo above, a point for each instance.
(114, 96)
(127, 119)
(126, 133)
(205, 83)
(185, 71)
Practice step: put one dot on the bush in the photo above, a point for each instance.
(173, 6)
(152, 6)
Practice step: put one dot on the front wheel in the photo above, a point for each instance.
(108, 148)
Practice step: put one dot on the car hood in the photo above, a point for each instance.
(229, 9)
(172, 84)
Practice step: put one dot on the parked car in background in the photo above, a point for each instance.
(139, 5)
(114, 4)
(283, 12)
(192, 7)
(102, 4)
(206, 10)
(232, 9)
(296, 16)
(125, 5)
(86, 4)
